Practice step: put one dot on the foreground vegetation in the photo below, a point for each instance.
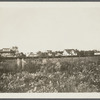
(51, 76)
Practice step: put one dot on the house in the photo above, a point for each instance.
(7, 52)
(36, 55)
(96, 52)
(70, 52)
(27, 54)
(31, 54)
(6, 49)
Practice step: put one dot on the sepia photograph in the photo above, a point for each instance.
(49, 47)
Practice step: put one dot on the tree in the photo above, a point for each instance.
(39, 53)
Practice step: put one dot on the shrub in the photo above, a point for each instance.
(32, 67)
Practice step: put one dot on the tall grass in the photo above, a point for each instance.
(51, 75)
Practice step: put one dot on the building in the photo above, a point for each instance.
(59, 53)
(7, 52)
(31, 54)
(70, 52)
(5, 49)
(96, 52)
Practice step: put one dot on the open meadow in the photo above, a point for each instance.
(48, 75)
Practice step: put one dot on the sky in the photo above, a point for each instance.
(50, 27)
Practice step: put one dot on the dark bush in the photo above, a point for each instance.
(32, 67)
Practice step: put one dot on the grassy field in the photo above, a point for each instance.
(51, 75)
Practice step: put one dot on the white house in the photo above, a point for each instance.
(69, 52)
(7, 52)
(97, 53)
(6, 49)
(59, 53)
